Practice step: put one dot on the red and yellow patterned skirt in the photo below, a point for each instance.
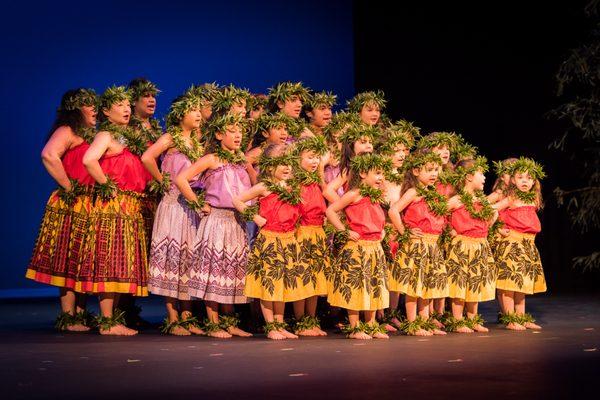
(471, 269)
(116, 258)
(419, 269)
(358, 279)
(314, 255)
(58, 249)
(518, 262)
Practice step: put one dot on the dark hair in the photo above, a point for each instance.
(498, 183)
(410, 180)
(64, 117)
(346, 157)
(135, 82)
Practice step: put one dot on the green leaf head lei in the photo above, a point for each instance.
(339, 122)
(458, 177)
(315, 143)
(390, 140)
(181, 106)
(114, 95)
(357, 103)
(270, 121)
(267, 161)
(420, 158)
(284, 90)
(228, 96)
(363, 163)
(463, 150)
(207, 92)
(528, 165)
(79, 98)
(219, 124)
(439, 139)
(142, 87)
(256, 101)
(355, 132)
(315, 100)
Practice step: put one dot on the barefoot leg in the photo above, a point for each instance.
(107, 301)
(353, 321)
(212, 311)
(68, 304)
(229, 309)
(186, 313)
(411, 306)
(458, 306)
(472, 309)
(510, 307)
(299, 309)
(439, 305)
(278, 311)
(371, 320)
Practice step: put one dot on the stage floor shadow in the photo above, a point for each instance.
(562, 361)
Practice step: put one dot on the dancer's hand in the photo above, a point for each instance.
(416, 233)
(260, 221)
(353, 235)
(504, 231)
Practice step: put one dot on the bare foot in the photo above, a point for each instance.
(480, 328)
(179, 331)
(421, 332)
(464, 329)
(513, 326)
(379, 335)
(389, 328)
(288, 335)
(307, 332)
(359, 336)
(119, 330)
(195, 330)
(320, 331)
(77, 328)
(437, 323)
(275, 335)
(438, 332)
(396, 322)
(533, 326)
(235, 331)
(220, 334)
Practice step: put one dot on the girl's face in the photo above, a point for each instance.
(523, 181)
(399, 155)
(370, 114)
(282, 172)
(231, 139)
(309, 161)
(291, 107)
(320, 116)
(373, 178)
(119, 113)
(276, 135)
(363, 145)
(145, 106)
(192, 119)
(206, 110)
(89, 115)
(427, 175)
(254, 114)
(443, 151)
(476, 181)
(239, 108)
(505, 179)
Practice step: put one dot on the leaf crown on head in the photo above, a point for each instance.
(143, 88)
(228, 96)
(317, 99)
(113, 95)
(528, 165)
(356, 104)
(80, 98)
(284, 90)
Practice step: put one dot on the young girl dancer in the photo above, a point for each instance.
(469, 262)
(288, 98)
(222, 249)
(420, 262)
(230, 99)
(368, 105)
(116, 258)
(176, 224)
(314, 251)
(340, 122)
(359, 274)
(318, 110)
(518, 259)
(57, 250)
(273, 266)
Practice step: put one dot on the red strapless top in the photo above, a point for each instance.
(366, 218)
(464, 224)
(444, 189)
(280, 216)
(312, 207)
(72, 162)
(127, 170)
(522, 219)
(418, 215)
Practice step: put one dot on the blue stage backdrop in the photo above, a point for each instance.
(50, 47)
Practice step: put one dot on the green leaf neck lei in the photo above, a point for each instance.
(194, 151)
(235, 157)
(128, 137)
(397, 178)
(485, 213)
(526, 197)
(306, 178)
(374, 195)
(289, 194)
(436, 202)
(87, 134)
(152, 134)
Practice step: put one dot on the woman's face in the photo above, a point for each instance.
(370, 114)
(320, 116)
(145, 106)
(309, 161)
(291, 107)
(119, 113)
(254, 114)
(89, 114)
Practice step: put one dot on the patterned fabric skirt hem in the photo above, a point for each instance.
(111, 287)
(358, 279)
(471, 269)
(314, 254)
(519, 264)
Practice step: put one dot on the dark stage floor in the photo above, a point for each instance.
(562, 361)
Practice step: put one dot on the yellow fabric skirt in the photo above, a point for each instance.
(420, 268)
(519, 265)
(274, 271)
(314, 255)
(471, 269)
(359, 277)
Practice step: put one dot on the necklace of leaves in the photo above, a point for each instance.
(87, 134)
(526, 197)
(486, 211)
(153, 133)
(289, 194)
(194, 151)
(436, 202)
(232, 157)
(375, 195)
(134, 141)
(306, 178)
(395, 177)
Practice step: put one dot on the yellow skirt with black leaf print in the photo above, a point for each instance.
(274, 272)
(359, 277)
(420, 269)
(314, 255)
(519, 265)
(471, 269)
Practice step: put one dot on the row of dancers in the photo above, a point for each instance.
(274, 199)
